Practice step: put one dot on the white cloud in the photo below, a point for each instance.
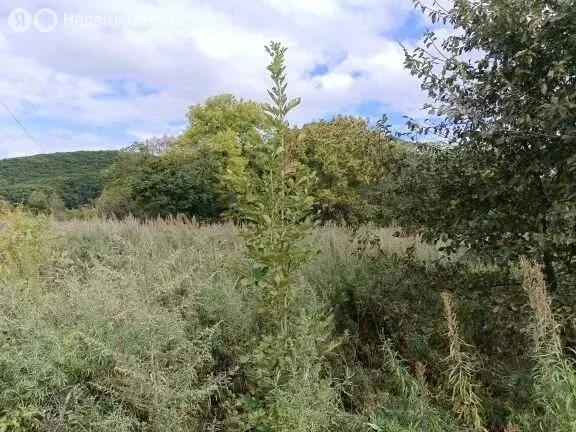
(316, 7)
(336, 82)
(92, 76)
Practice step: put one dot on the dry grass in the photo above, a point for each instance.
(466, 402)
(137, 326)
(554, 374)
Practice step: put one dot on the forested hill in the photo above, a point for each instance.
(76, 176)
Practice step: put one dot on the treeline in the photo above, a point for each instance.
(499, 180)
(55, 181)
(201, 172)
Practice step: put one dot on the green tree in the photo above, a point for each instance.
(224, 132)
(38, 201)
(116, 200)
(278, 208)
(45, 201)
(349, 157)
(503, 90)
(168, 186)
(117, 197)
(55, 203)
(225, 113)
(277, 203)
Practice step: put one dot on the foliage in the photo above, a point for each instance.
(503, 92)
(348, 157)
(75, 177)
(39, 202)
(223, 132)
(94, 349)
(116, 200)
(411, 411)
(286, 385)
(149, 186)
(117, 197)
(168, 186)
(387, 286)
(166, 324)
(145, 326)
(220, 152)
(25, 243)
(466, 401)
(196, 174)
(277, 205)
(225, 113)
(288, 388)
(555, 375)
(405, 190)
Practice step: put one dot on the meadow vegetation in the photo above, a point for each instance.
(124, 325)
(251, 276)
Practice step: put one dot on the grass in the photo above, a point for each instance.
(117, 334)
(129, 326)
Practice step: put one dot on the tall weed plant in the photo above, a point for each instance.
(287, 385)
(25, 242)
(554, 374)
(464, 391)
(410, 407)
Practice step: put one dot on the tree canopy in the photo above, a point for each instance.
(75, 177)
(503, 91)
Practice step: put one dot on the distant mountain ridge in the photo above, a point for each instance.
(75, 176)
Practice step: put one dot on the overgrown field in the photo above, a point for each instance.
(125, 326)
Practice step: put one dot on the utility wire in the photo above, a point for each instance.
(10, 136)
(20, 124)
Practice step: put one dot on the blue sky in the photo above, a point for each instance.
(85, 75)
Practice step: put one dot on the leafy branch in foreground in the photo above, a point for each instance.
(290, 355)
(277, 205)
(502, 88)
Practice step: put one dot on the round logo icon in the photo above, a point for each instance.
(45, 20)
(20, 20)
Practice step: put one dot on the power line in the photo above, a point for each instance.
(10, 136)
(20, 124)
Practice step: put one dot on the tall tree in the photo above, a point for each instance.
(349, 156)
(503, 87)
(222, 114)
(225, 132)
(168, 186)
(160, 144)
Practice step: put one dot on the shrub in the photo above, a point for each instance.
(25, 243)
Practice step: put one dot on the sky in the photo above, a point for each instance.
(89, 75)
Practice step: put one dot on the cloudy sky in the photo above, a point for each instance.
(84, 74)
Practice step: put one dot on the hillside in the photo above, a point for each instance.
(75, 176)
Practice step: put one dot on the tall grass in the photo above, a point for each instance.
(464, 391)
(554, 374)
(25, 243)
(131, 326)
(123, 336)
